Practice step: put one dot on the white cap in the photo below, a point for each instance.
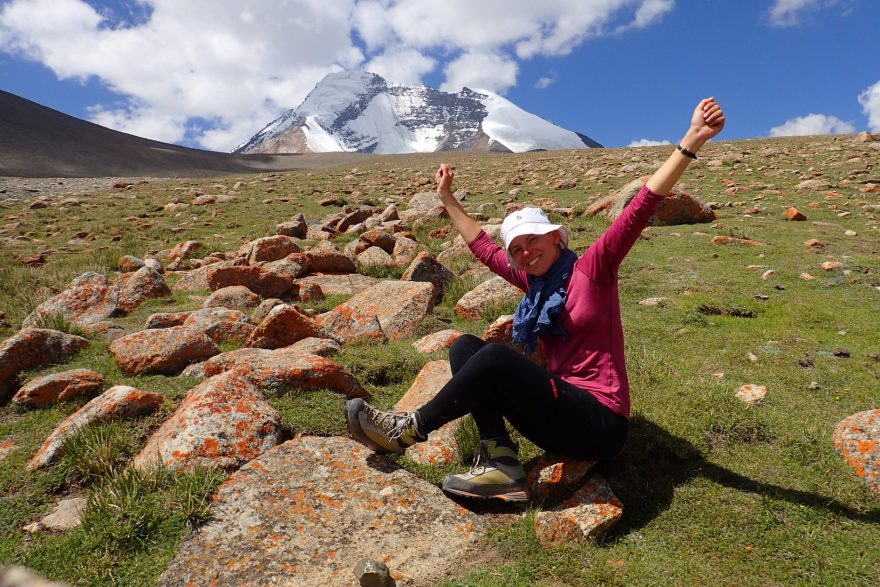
(529, 221)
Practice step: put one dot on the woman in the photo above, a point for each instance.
(579, 405)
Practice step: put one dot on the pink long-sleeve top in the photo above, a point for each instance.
(591, 355)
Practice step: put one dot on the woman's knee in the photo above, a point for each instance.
(496, 355)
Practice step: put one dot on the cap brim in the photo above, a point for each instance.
(529, 228)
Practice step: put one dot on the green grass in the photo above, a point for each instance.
(714, 492)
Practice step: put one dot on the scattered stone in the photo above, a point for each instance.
(841, 353)
(553, 476)
(375, 257)
(857, 439)
(311, 508)
(35, 347)
(264, 308)
(163, 350)
(589, 514)
(340, 285)
(260, 281)
(323, 347)
(120, 401)
(437, 341)
(831, 265)
(427, 269)
(768, 274)
(653, 302)
(851, 233)
(67, 515)
(166, 319)
(815, 243)
(13, 576)
(377, 237)
(793, 214)
(814, 385)
(734, 240)
(678, 207)
(6, 448)
(58, 387)
(372, 573)
(296, 228)
(32, 260)
(806, 277)
(751, 394)
(327, 258)
(224, 422)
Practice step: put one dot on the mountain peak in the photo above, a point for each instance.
(358, 111)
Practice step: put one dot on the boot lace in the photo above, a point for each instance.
(394, 423)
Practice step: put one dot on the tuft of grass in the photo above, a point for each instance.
(95, 452)
(467, 438)
(191, 494)
(61, 323)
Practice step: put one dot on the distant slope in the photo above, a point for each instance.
(36, 141)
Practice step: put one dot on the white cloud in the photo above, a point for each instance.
(406, 66)
(648, 143)
(239, 65)
(870, 101)
(786, 13)
(812, 124)
(545, 82)
(484, 71)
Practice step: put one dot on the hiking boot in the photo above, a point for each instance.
(382, 430)
(495, 474)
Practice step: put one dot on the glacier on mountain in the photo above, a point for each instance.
(358, 111)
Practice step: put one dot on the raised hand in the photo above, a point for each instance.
(443, 178)
(707, 120)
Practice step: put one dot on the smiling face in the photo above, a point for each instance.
(535, 253)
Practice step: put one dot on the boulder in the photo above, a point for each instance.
(221, 324)
(487, 295)
(288, 369)
(309, 509)
(441, 446)
(399, 307)
(405, 250)
(376, 237)
(339, 285)
(427, 269)
(437, 341)
(678, 207)
(269, 248)
(296, 227)
(290, 267)
(136, 287)
(167, 319)
(284, 325)
(222, 423)
(130, 263)
(589, 514)
(552, 477)
(163, 350)
(34, 347)
(258, 280)
(327, 258)
(120, 401)
(235, 297)
(194, 280)
(89, 298)
(58, 387)
(857, 439)
(375, 257)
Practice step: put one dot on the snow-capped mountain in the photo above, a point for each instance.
(360, 111)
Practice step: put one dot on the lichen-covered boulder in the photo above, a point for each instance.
(340, 285)
(589, 514)
(89, 298)
(234, 297)
(221, 324)
(253, 277)
(399, 306)
(33, 347)
(327, 258)
(437, 341)
(857, 439)
(136, 287)
(58, 387)
(308, 510)
(441, 446)
(283, 326)
(426, 268)
(120, 401)
(269, 248)
(224, 422)
(164, 351)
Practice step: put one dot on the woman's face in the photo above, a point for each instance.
(535, 253)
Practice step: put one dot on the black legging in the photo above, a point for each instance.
(493, 382)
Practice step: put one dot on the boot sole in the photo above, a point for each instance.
(352, 409)
(510, 496)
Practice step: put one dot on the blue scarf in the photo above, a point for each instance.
(540, 310)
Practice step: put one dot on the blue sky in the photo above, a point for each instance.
(211, 73)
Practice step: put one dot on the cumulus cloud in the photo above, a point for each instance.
(786, 13)
(213, 72)
(870, 101)
(648, 143)
(812, 124)
(545, 82)
(484, 71)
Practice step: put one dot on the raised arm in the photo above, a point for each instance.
(466, 226)
(706, 122)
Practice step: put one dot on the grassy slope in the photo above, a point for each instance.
(714, 492)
